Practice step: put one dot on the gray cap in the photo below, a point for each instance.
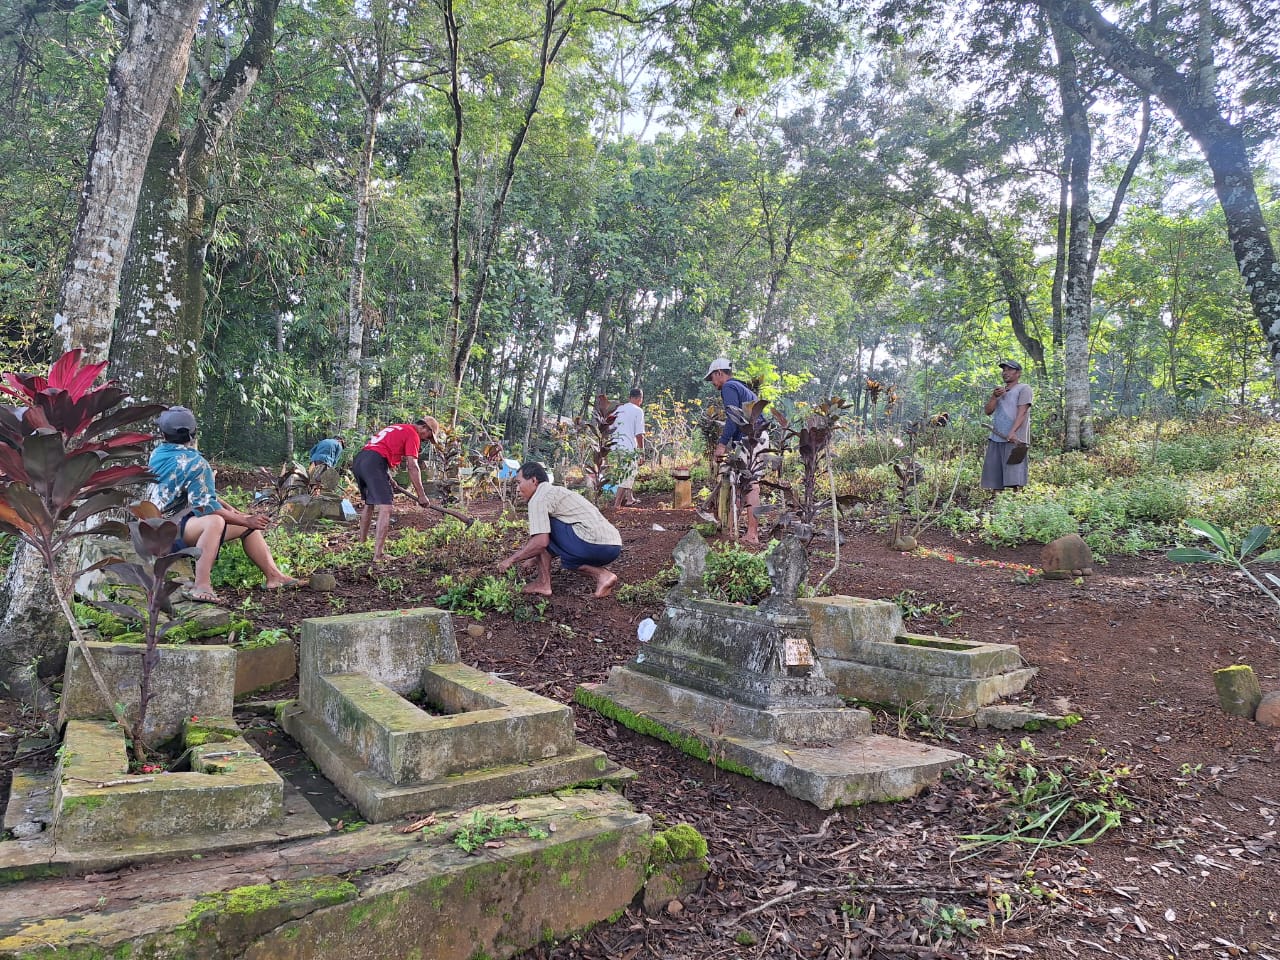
(1011, 364)
(175, 420)
(719, 363)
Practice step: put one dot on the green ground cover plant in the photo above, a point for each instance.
(1046, 801)
(475, 596)
(487, 829)
(737, 575)
(1130, 493)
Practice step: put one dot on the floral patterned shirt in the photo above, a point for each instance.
(184, 481)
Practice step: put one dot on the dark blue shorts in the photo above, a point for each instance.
(181, 542)
(373, 477)
(573, 551)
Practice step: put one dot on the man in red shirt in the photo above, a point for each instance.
(373, 466)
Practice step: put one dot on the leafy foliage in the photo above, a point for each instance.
(736, 575)
(1225, 552)
(154, 538)
(1047, 802)
(58, 474)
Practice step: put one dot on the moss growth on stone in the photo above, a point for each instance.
(108, 625)
(87, 802)
(196, 733)
(691, 745)
(677, 844)
(191, 630)
(221, 909)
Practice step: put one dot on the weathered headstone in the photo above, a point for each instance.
(743, 682)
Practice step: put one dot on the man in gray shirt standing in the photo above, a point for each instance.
(1009, 407)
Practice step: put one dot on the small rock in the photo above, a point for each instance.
(27, 829)
(675, 908)
(903, 544)
(1269, 709)
(475, 630)
(324, 582)
(1066, 557)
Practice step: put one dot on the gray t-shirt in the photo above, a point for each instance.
(1007, 411)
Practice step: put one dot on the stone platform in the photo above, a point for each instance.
(473, 738)
(740, 687)
(860, 768)
(375, 892)
(869, 656)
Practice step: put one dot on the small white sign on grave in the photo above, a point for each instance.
(797, 653)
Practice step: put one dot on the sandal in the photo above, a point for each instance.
(202, 596)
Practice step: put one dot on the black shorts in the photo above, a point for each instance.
(373, 477)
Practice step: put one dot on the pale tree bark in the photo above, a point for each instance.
(151, 63)
(369, 69)
(1077, 303)
(1083, 237)
(1190, 96)
(353, 357)
(139, 84)
(159, 323)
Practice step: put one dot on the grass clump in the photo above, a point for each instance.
(1046, 801)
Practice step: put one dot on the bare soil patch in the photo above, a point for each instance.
(1192, 872)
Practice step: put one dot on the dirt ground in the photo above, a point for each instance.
(1193, 871)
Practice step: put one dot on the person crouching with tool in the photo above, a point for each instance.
(372, 468)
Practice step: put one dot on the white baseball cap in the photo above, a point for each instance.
(719, 363)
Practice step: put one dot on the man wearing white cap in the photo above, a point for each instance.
(735, 393)
(1009, 407)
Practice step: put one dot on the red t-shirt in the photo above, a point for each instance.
(396, 442)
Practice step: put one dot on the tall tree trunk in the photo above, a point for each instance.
(353, 356)
(1077, 304)
(288, 408)
(149, 65)
(159, 323)
(556, 26)
(1192, 101)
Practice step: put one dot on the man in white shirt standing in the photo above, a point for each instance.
(628, 437)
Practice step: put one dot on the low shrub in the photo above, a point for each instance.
(651, 591)
(1032, 515)
(737, 575)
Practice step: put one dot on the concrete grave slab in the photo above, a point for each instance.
(473, 737)
(870, 657)
(188, 680)
(727, 683)
(375, 892)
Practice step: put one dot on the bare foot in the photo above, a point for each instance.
(605, 585)
(289, 582)
(542, 590)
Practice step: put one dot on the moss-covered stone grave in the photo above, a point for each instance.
(469, 738)
(100, 806)
(740, 687)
